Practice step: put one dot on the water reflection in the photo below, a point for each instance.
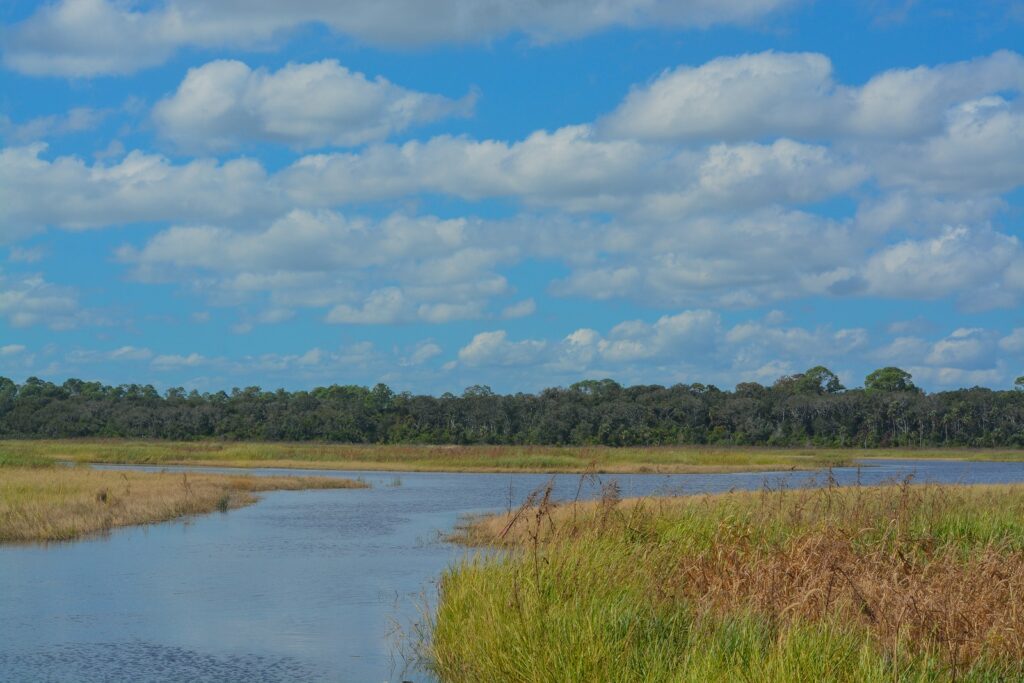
(304, 586)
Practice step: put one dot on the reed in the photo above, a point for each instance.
(893, 583)
(63, 503)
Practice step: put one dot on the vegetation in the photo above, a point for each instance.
(425, 458)
(52, 503)
(895, 583)
(807, 409)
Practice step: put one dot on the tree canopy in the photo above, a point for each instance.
(809, 408)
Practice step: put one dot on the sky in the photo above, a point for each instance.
(224, 193)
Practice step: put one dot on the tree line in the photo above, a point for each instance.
(809, 408)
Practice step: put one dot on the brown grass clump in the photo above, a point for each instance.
(62, 503)
(933, 572)
(937, 602)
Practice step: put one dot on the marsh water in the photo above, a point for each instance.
(302, 586)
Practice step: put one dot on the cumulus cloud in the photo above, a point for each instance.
(977, 265)
(381, 306)
(225, 104)
(675, 218)
(981, 150)
(92, 37)
(494, 348)
(569, 167)
(688, 346)
(675, 335)
(794, 94)
(36, 192)
(397, 269)
(735, 261)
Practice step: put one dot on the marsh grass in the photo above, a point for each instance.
(892, 583)
(662, 459)
(63, 503)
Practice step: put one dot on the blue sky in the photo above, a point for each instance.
(224, 193)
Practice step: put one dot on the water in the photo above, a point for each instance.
(302, 586)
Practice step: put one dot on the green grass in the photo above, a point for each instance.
(661, 459)
(899, 583)
(23, 458)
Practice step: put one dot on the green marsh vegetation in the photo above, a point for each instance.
(892, 583)
(473, 458)
(572, 459)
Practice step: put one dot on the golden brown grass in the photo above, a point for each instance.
(405, 457)
(62, 503)
(912, 583)
(477, 458)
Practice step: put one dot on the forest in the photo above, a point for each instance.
(810, 408)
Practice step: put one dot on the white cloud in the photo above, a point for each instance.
(732, 98)
(1013, 342)
(66, 192)
(11, 349)
(397, 269)
(981, 150)
(225, 104)
(946, 378)
(423, 352)
(493, 348)
(902, 349)
(381, 306)
(688, 346)
(174, 361)
(794, 94)
(31, 300)
(677, 223)
(76, 120)
(91, 37)
(569, 167)
(752, 258)
(678, 334)
(960, 261)
(131, 353)
(520, 309)
(963, 348)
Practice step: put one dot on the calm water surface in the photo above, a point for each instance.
(302, 586)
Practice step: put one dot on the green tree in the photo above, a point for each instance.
(889, 379)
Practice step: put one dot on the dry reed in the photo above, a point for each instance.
(62, 503)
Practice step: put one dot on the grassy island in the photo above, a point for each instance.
(43, 502)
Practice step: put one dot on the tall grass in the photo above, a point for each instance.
(664, 459)
(895, 583)
(62, 503)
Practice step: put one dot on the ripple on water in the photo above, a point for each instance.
(148, 663)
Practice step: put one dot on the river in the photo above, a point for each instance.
(302, 586)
